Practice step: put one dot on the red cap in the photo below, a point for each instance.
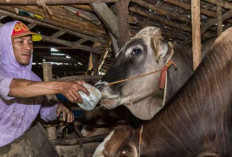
(20, 30)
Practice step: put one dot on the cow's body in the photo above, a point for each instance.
(196, 122)
(144, 53)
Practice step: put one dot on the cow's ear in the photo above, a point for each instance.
(159, 47)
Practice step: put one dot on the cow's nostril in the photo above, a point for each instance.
(100, 85)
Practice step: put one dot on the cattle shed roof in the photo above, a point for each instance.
(78, 33)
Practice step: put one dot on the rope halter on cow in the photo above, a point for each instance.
(162, 78)
(140, 138)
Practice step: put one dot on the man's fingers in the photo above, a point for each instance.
(83, 89)
(81, 82)
(64, 115)
(78, 97)
(71, 97)
(58, 111)
(70, 117)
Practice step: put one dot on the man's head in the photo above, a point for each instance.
(22, 43)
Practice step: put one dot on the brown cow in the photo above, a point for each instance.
(196, 122)
(144, 53)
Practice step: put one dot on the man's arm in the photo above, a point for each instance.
(26, 88)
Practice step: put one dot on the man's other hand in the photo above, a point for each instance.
(67, 115)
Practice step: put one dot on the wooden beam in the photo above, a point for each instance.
(104, 55)
(219, 20)
(57, 34)
(70, 44)
(196, 35)
(123, 21)
(80, 77)
(47, 76)
(31, 25)
(54, 59)
(160, 19)
(52, 2)
(223, 4)
(114, 44)
(95, 59)
(187, 6)
(107, 16)
(50, 25)
(66, 19)
(79, 41)
(212, 22)
(162, 11)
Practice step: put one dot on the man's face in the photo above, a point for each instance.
(23, 48)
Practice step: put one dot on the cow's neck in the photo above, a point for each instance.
(198, 118)
(137, 108)
(176, 78)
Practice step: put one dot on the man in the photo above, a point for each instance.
(21, 90)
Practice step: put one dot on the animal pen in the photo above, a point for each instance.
(81, 39)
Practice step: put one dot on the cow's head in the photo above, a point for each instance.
(144, 53)
(121, 142)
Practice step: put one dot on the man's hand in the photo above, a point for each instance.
(70, 90)
(67, 115)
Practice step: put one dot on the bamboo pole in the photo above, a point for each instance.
(196, 35)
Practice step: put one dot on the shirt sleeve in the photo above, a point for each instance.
(48, 113)
(5, 87)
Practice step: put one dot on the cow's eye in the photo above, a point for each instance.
(136, 51)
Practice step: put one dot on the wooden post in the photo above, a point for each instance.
(196, 35)
(47, 75)
(219, 20)
(114, 44)
(123, 21)
(93, 60)
(47, 71)
(51, 131)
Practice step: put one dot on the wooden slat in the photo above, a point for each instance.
(57, 34)
(160, 19)
(223, 3)
(196, 35)
(219, 20)
(107, 16)
(64, 18)
(162, 11)
(123, 21)
(79, 41)
(212, 22)
(70, 44)
(31, 25)
(52, 2)
(50, 25)
(81, 77)
(187, 6)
